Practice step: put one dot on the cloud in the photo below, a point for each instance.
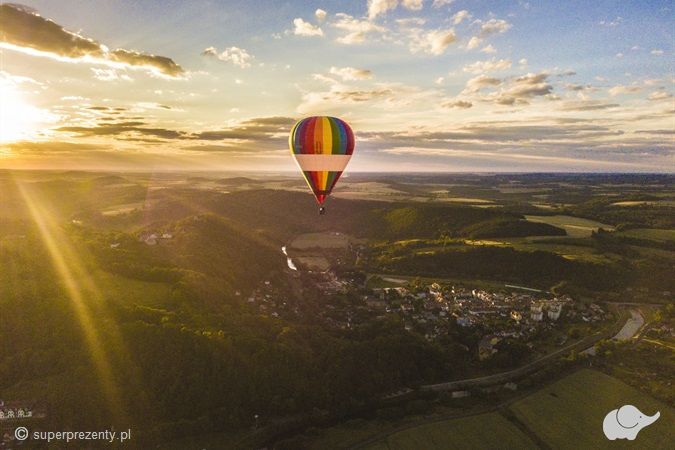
(259, 130)
(22, 29)
(441, 3)
(621, 89)
(657, 52)
(493, 26)
(303, 28)
(523, 88)
(460, 16)
(109, 74)
(433, 42)
(488, 66)
(412, 5)
(578, 87)
(659, 95)
(123, 128)
(489, 49)
(235, 55)
(320, 15)
(356, 29)
(380, 7)
(587, 105)
(351, 73)
(474, 42)
(463, 104)
(479, 82)
(377, 7)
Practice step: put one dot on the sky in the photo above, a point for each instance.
(427, 85)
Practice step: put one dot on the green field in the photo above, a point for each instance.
(652, 234)
(575, 226)
(484, 431)
(569, 413)
(566, 414)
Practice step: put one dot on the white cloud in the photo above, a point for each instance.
(494, 26)
(356, 29)
(237, 56)
(477, 83)
(619, 55)
(657, 52)
(377, 7)
(621, 89)
(489, 49)
(523, 62)
(440, 3)
(518, 91)
(439, 80)
(492, 65)
(659, 95)
(460, 16)
(433, 42)
(320, 15)
(351, 73)
(303, 28)
(474, 42)
(109, 75)
(413, 5)
(463, 104)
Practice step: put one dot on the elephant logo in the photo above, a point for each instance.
(626, 422)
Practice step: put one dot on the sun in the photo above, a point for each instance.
(18, 118)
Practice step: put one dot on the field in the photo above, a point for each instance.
(484, 431)
(566, 414)
(651, 234)
(569, 413)
(575, 226)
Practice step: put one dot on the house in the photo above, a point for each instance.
(536, 312)
(554, 311)
(16, 410)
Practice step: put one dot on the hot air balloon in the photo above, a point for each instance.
(322, 147)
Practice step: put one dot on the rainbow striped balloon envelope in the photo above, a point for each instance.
(322, 147)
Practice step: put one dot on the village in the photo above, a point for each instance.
(344, 301)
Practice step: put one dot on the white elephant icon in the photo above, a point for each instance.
(626, 422)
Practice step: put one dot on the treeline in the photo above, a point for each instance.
(542, 269)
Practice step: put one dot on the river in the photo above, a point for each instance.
(289, 261)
